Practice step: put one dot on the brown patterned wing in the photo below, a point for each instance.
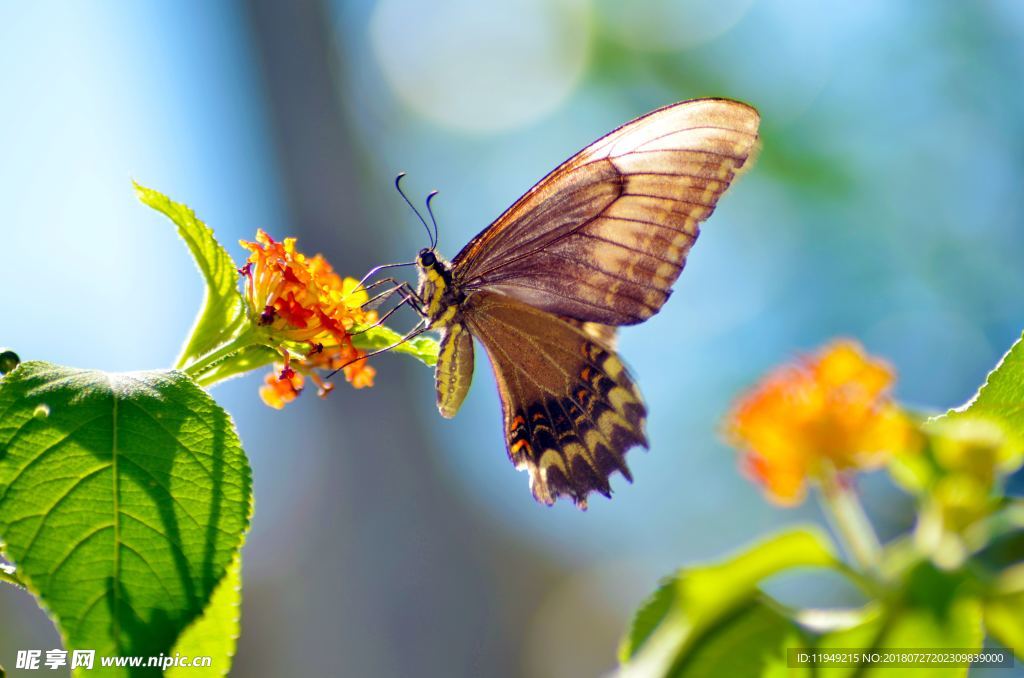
(604, 236)
(571, 409)
(606, 335)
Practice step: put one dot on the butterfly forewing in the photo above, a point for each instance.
(604, 236)
(571, 410)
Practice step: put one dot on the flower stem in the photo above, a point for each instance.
(237, 344)
(851, 523)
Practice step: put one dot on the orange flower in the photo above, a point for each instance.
(824, 413)
(357, 373)
(301, 300)
(279, 390)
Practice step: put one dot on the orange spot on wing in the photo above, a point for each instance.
(520, 444)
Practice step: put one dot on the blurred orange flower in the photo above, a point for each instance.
(828, 412)
(301, 300)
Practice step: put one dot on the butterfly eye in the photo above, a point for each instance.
(427, 258)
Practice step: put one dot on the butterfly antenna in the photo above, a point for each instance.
(361, 285)
(398, 187)
(430, 211)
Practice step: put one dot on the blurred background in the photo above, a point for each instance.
(887, 205)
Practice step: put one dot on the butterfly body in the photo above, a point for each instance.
(439, 295)
(596, 244)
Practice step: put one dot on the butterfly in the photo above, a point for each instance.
(596, 244)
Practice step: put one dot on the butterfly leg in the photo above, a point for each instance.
(377, 283)
(379, 298)
(409, 296)
(406, 301)
(419, 329)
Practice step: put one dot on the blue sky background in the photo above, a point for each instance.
(887, 205)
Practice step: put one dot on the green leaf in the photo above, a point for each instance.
(862, 634)
(934, 610)
(1002, 395)
(1004, 619)
(667, 631)
(748, 642)
(908, 628)
(123, 499)
(1004, 605)
(9, 574)
(647, 618)
(423, 348)
(223, 309)
(998, 544)
(216, 632)
(968, 453)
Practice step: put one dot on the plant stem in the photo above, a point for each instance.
(241, 342)
(851, 523)
(246, 360)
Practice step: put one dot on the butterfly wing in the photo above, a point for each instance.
(606, 335)
(604, 236)
(571, 409)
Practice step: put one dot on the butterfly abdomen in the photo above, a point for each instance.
(454, 372)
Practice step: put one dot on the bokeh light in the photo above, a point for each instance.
(527, 57)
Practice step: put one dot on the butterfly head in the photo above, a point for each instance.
(426, 258)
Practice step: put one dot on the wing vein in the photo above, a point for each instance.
(665, 197)
(520, 282)
(655, 224)
(629, 248)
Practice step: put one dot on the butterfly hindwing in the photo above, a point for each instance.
(604, 236)
(606, 335)
(571, 410)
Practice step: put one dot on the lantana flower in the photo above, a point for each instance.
(308, 311)
(280, 389)
(826, 413)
